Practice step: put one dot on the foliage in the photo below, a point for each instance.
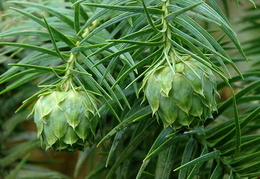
(115, 44)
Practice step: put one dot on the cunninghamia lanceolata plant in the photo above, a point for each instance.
(183, 94)
(88, 50)
(179, 88)
(64, 119)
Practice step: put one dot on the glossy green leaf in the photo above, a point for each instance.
(139, 114)
(88, 47)
(142, 168)
(230, 131)
(162, 142)
(237, 125)
(220, 18)
(254, 157)
(54, 30)
(217, 172)
(17, 75)
(128, 151)
(248, 168)
(135, 9)
(181, 11)
(97, 71)
(31, 47)
(165, 162)
(21, 81)
(188, 155)
(203, 36)
(137, 42)
(50, 10)
(250, 117)
(227, 103)
(212, 155)
(99, 12)
(148, 16)
(114, 145)
(25, 33)
(246, 75)
(53, 40)
(198, 167)
(139, 64)
(117, 54)
(190, 41)
(106, 24)
(250, 175)
(231, 144)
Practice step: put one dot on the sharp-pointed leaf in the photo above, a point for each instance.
(209, 156)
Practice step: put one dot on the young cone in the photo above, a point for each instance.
(182, 97)
(64, 119)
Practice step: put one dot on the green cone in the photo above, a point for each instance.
(65, 120)
(182, 97)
